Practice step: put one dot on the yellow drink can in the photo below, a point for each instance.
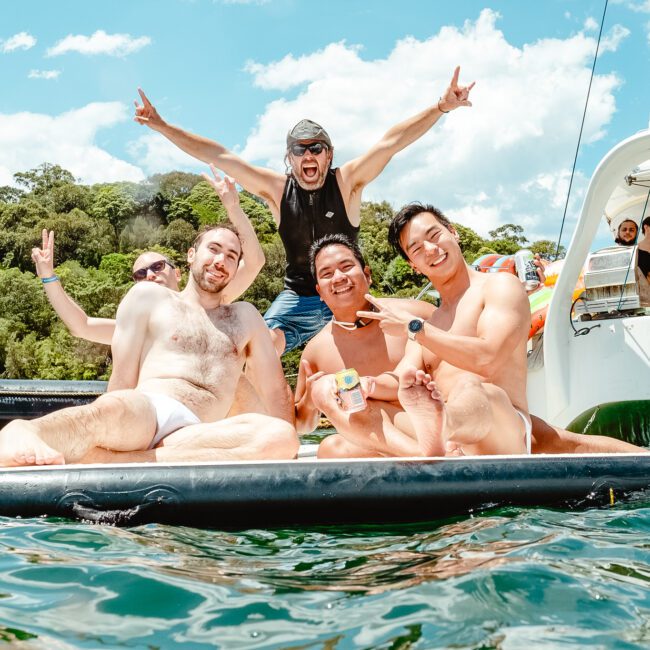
(348, 388)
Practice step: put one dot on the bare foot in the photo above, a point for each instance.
(20, 445)
(420, 398)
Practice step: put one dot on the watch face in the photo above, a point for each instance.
(415, 325)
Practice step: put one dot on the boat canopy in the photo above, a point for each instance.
(630, 198)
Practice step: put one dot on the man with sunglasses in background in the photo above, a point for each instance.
(311, 201)
(151, 266)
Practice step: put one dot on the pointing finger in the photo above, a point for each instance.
(369, 314)
(454, 79)
(145, 101)
(44, 238)
(372, 300)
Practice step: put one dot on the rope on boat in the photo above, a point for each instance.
(584, 115)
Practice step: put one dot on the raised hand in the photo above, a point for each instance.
(44, 257)
(146, 112)
(391, 320)
(455, 95)
(224, 187)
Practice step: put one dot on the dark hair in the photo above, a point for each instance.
(217, 226)
(644, 223)
(336, 239)
(621, 242)
(408, 212)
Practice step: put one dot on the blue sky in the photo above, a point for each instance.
(242, 72)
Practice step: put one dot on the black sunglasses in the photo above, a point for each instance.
(156, 267)
(315, 148)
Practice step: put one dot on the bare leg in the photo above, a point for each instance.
(277, 336)
(250, 436)
(548, 439)
(336, 446)
(482, 420)
(370, 429)
(121, 420)
(422, 401)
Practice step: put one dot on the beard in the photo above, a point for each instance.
(209, 286)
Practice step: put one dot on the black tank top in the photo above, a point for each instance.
(306, 216)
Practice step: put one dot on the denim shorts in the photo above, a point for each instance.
(299, 317)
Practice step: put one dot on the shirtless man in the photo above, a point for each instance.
(176, 361)
(152, 267)
(343, 281)
(313, 200)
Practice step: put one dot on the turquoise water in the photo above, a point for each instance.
(506, 579)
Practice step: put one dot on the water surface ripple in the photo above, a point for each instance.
(509, 578)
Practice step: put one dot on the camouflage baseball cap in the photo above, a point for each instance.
(308, 130)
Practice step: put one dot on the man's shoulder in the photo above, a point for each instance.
(503, 288)
(147, 292)
(319, 344)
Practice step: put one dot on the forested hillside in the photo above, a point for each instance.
(100, 230)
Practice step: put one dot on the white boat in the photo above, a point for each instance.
(609, 361)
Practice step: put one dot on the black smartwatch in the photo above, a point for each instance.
(414, 327)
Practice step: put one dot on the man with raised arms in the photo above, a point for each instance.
(356, 340)
(176, 361)
(309, 202)
(152, 267)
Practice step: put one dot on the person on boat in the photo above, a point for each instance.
(343, 281)
(151, 266)
(643, 251)
(177, 357)
(626, 233)
(312, 200)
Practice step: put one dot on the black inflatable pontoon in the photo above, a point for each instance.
(253, 494)
(257, 494)
(27, 399)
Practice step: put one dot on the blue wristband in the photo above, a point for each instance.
(52, 278)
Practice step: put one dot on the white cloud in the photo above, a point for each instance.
(642, 7)
(505, 160)
(99, 43)
(157, 155)
(591, 25)
(613, 38)
(43, 74)
(29, 139)
(21, 41)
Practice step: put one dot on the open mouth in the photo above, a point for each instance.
(310, 172)
(340, 290)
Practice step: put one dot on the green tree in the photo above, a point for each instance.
(112, 203)
(44, 178)
(78, 237)
(547, 248)
(140, 233)
(470, 242)
(178, 236)
(373, 237)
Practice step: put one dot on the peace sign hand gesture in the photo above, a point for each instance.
(44, 257)
(224, 187)
(393, 321)
(146, 113)
(455, 95)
